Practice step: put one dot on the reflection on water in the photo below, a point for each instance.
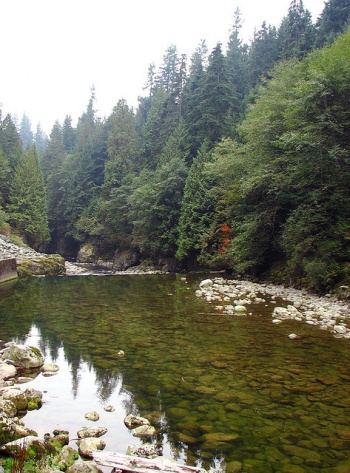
(224, 391)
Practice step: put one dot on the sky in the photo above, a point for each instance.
(54, 51)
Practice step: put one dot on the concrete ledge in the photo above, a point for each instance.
(8, 269)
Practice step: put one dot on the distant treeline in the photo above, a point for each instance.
(235, 158)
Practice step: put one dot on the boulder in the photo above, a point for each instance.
(22, 356)
(8, 408)
(123, 260)
(144, 431)
(145, 450)
(93, 416)
(91, 432)
(49, 368)
(66, 457)
(42, 265)
(87, 445)
(83, 467)
(206, 283)
(34, 398)
(17, 397)
(35, 447)
(132, 421)
(7, 371)
(87, 253)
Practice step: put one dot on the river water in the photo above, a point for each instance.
(225, 392)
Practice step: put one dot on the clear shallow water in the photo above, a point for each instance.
(227, 392)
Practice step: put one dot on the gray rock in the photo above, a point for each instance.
(144, 431)
(49, 367)
(67, 457)
(23, 356)
(8, 408)
(146, 450)
(94, 416)
(88, 445)
(7, 371)
(132, 421)
(17, 397)
(91, 432)
(83, 467)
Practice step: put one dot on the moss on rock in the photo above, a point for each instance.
(46, 265)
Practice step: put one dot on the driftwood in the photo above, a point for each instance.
(141, 465)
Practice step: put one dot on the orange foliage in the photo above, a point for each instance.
(225, 237)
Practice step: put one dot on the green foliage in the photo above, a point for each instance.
(155, 203)
(295, 197)
(333, 21)
(28, 206)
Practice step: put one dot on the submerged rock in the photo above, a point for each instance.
(144, 431)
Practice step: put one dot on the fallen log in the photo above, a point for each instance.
(141, 465)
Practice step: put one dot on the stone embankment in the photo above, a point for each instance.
(33, 263)
(236, 297)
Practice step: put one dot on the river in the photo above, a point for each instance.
(225, 392)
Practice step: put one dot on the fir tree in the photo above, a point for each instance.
(28, 206)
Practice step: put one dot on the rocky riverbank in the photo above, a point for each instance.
(21, 443)
(33, 263)
(236, 297)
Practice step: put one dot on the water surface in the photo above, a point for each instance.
(229, 392)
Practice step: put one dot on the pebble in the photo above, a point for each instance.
(324, 312)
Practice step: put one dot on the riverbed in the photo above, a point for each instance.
(224, 391)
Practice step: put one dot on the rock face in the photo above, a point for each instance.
(86, 254)
(123, 260)
(23, 356)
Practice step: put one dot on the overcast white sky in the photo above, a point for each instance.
(52, 51)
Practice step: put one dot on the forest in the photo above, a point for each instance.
(235, 158)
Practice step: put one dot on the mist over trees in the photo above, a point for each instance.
(235, 158)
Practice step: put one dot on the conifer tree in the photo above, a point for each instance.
(333, 21)
(237, 56)
(25, 132)
(28, 206)
(296, 32)
(263, 53)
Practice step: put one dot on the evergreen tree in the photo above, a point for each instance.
(263, 53)
(192, 96)
(155, 130)
(40, 140)
(218, 101)
(333, 21)
(68, 134)
(121, 144)
(84, 170)
(52, 164)
(297, 32)
(155, 202)
(11, 152)
(25, 132)
(237, 56)
(197, 210)
(28, 206)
